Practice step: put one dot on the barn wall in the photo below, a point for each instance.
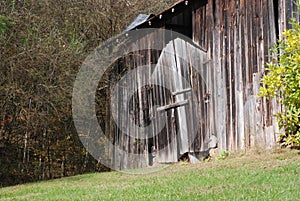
(175, 138)
(139, 110)
(286, 10)
(237, 35)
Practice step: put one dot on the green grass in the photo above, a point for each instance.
(268, 176)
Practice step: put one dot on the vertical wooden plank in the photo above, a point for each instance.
(239, 80)
(220, 92)
(281, 16)
(289, 12)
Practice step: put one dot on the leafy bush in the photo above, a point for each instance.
(283, 82)
(222, 155)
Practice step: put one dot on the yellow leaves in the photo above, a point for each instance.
(286, 34)
(292, 42)
(283, 81)
(263, 91)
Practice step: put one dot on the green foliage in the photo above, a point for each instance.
(283, 82)
(222, 155)
(4, 22)
(3, 25)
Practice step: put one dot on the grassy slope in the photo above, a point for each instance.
(268, 176)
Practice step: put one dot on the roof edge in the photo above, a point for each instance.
(157, 21)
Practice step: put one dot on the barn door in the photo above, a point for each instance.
(180, 69)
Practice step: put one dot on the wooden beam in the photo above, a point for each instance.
(181, 92)
(172, 105)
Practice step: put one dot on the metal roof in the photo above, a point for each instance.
(140, 19)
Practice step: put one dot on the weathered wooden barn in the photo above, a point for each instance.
(231, 41)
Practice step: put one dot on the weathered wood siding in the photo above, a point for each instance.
(286, 10)
(236, 35)
(175, 130)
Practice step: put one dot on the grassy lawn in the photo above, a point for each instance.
(253, 176)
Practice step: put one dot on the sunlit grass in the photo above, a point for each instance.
(268, 176)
